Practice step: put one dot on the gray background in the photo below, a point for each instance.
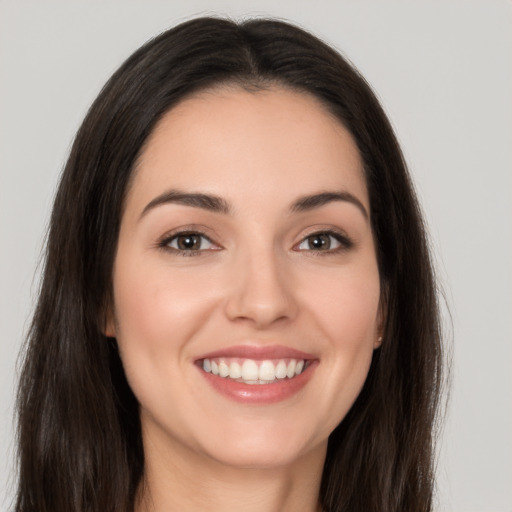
(443, 70)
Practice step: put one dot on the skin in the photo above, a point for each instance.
(255, 280)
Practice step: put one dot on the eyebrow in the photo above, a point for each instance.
(307, 203)
(219, 205)
(197, 200)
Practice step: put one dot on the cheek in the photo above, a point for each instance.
(346, 313)
(346, 305)
(155, 307)
(157, 313)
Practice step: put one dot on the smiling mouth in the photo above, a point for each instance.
(252, 371)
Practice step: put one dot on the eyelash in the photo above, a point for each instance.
(168, 239)
(345, 243)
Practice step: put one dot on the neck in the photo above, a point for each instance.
(185, 481)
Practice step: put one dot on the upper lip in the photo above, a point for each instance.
(258, 352)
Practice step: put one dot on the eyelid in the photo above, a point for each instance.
(339, 235)
(164, 241)
(175, 238)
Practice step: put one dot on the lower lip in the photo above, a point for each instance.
(273, 392)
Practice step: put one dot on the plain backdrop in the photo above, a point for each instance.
(443, 70)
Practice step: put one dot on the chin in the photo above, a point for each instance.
(256, 459)
(260, 450)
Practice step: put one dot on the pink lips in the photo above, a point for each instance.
(259, 353)
(273, 392)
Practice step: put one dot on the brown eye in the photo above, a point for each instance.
(189, 242)
(319, 242)
(324, 241)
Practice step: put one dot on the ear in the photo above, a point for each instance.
(381, 317)
(108, 323)
(109, 331)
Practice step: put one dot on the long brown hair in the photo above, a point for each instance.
(79, 435)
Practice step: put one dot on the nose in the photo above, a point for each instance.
(262, 291)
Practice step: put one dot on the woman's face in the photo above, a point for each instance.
(246, 288)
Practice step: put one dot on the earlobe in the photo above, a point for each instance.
(109, 331)
(381, 318)
(109, 324)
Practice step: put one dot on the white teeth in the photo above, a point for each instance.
(235, 370)
(223, 369)
(249, 370)
(291, 369)
(281, 370)
(267, 371)
(254, 372)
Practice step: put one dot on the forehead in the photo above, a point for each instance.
(275, 143)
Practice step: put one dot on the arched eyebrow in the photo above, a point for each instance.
(310, 202)
(217, 204)
(197, 200)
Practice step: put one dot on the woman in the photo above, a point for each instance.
(238, 308)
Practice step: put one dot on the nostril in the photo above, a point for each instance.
(260, 291)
